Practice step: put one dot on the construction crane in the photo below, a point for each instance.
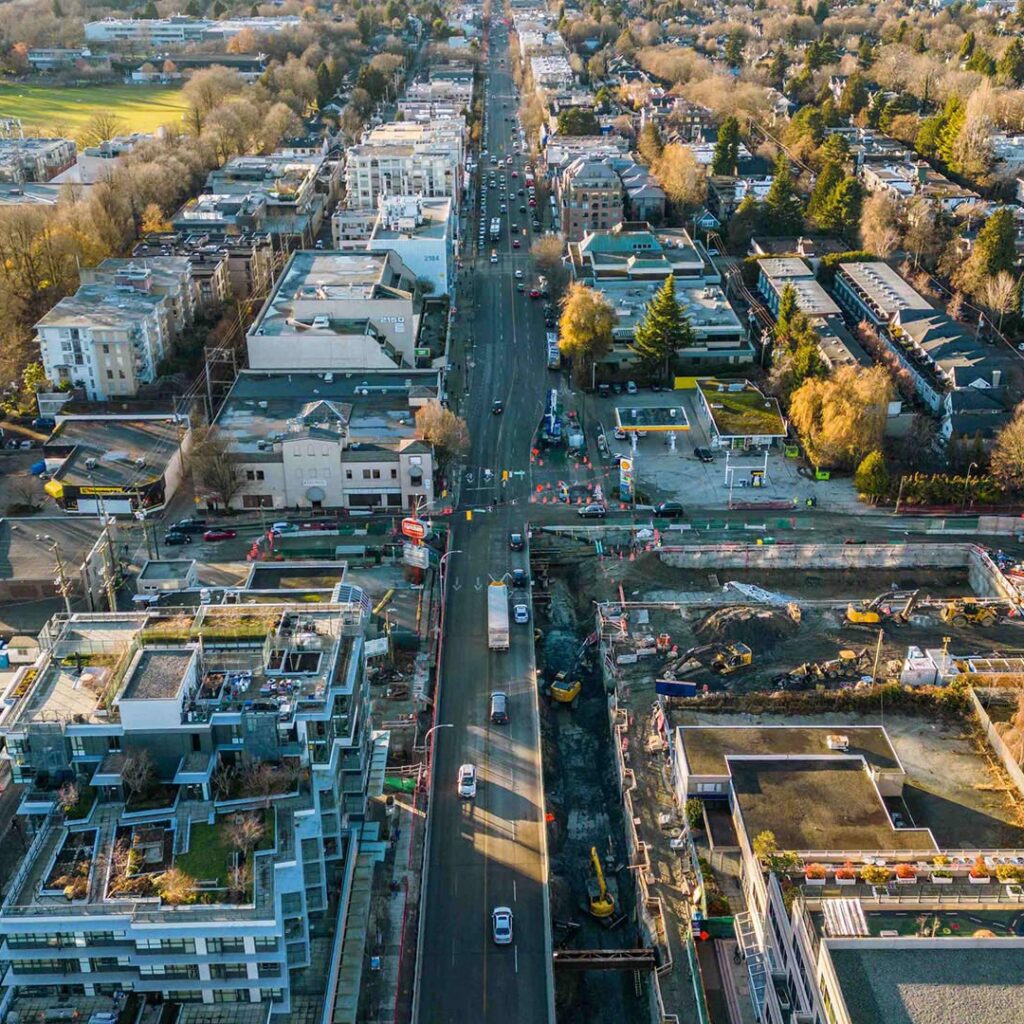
(961, 611)
(601, 901)
(895, 606)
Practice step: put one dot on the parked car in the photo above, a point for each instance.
(501, 926)
(175, 537)
(521, 614)
(631, 388)
(467, 781)
(515, 542)
(595, 510)
(520, 578)
(704, 454)
(603, 390)
(220, 535)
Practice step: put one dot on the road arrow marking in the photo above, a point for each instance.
(478, 585)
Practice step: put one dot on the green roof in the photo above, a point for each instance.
(742, 413)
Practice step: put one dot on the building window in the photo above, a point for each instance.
(394, 474)
(228, 971)
(166, 945)
(257, 501)
(348, 474)
(254, 474)
(225, 945)
(376, 474)
(366, 474)
(110, 374)
(269, 969)
(266, 944)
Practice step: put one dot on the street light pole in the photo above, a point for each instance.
(427, 748)
(967, 484)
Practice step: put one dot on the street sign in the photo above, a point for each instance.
(416, 555)
(415, 529)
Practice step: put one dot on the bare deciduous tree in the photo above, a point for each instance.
(1001, 294)
(137, 772)
(441, 428)
(212, 467)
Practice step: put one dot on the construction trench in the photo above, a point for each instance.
(788, 605)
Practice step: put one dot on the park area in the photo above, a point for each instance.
(142, 108)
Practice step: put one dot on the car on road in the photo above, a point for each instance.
(595, 510)
(284, 527)
(494, 257)
(519, 274)
(520, 287)
(604, 390)
(631, 388)
(520, 193)
(515, 243)
(522, 209)
(714, 252)
(616, 388)
(534, 293)
(515, 174)
(520, 578)
(521, 614)
(704, 454)
(497, 407)
(533, 202)
(669, 510)
(174, 537)
(220, 534)
(501, 926)
(515, 542)
(467, 781)
(190, 525)
(499, 707)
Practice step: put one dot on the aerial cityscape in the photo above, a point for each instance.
(512, 511)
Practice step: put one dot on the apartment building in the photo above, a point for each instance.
(325, 440)
(167, 276)
(551, 71)
(629, 264)
(143, 739)
(338, 311)
(851, 909)
(23, 160)
(590, 198)
(180, 30)
(406, 158)
(106, 339)
(421, 231)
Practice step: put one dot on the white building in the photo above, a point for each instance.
(420, 231)
(551, 71)
(107, 339)
(181, 29)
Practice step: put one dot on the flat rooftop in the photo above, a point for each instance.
(166, 569)
(884, 287)
(707, 747)
(826, 805)
(295, 576)
(705, 306)
(126, 452)
(263, 405)
(651, 418)
(26, 552)
(158, 675)
(943, 984)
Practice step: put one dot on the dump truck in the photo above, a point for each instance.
(497, 616)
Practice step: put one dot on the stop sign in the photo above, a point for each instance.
(415, 529)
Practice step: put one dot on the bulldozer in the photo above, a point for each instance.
(720, 658)
(961, 611)
(894, 606)
(600, 899)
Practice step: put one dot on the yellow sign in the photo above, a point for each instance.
(469, 515)
(101, 490)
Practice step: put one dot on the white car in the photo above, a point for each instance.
(519, 273)
(467, 781)
(520, 613)
(501, 926)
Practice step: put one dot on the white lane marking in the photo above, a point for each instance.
(515, 950)
(514, 897)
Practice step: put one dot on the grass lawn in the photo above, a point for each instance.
(143, 108)
(209, 849)
(746, 413)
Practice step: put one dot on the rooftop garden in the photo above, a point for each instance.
(746, 413)
(70, 870)
(219, 857)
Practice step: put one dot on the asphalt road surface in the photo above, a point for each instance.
(489, 851)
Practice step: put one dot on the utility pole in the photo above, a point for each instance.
(878, 654)
(62, 583)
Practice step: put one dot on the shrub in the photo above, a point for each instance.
(1009, 873)
(906, 871)
(846, 871)
(694, 811)
(875, 874)
(979, 869)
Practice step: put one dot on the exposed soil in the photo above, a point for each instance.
(757, 627)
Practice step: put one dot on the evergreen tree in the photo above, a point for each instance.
(1011, 64)
(920, 45)
(875, 109)
(855, 96)
(662, 332)
(218, 9)
(820, 11)
(840, 211)
(192, 9)
(950, 131)
(150, 12)
(784, 317)
(777, 69)
(828, 180)
(967, 46)
(994, 249)
(901, 32)
(734, 47)
(866, 52)
(324, 84)
(58, 11)
(783, 211)
(727, 147)
(981, 62)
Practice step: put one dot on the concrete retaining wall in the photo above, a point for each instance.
(996, 743)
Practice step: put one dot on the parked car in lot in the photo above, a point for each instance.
(704, 454)
(595, 510)
(220, 535)
(467, 781)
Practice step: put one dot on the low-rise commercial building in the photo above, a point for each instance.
(180, 30)
(338, 311)
(34, 159)
(308, 440)
(421, 231)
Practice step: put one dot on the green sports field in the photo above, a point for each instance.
(142, 108)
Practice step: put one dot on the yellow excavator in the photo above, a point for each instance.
(601, 900)
(719, 657)
(895, 606)
(565, 690)
(961, 611)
